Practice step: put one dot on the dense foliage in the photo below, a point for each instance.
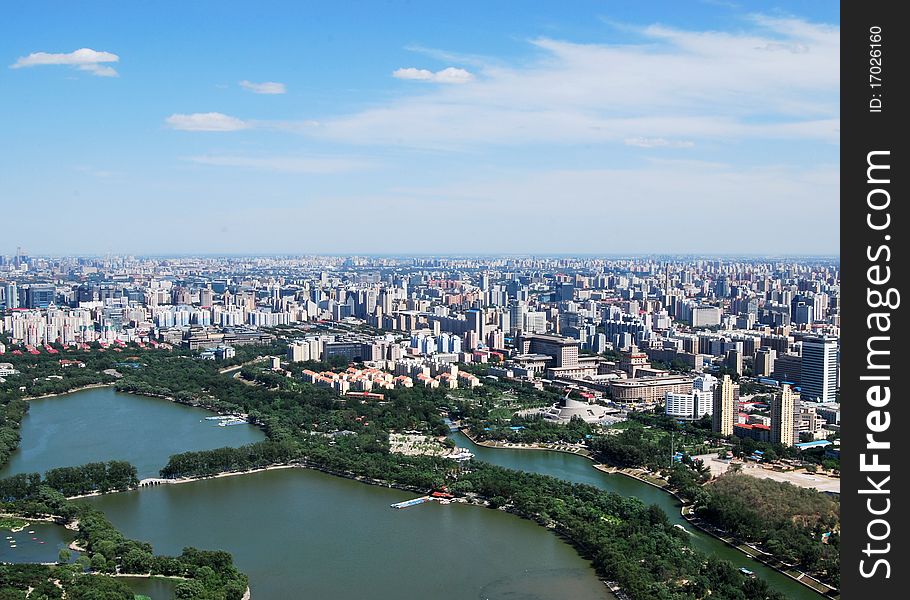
(210, 574)
(787, 520)
(532, 429)
(626, 541)
(11, 414)
(46, 582)
(115, 475)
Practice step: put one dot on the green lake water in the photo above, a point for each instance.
(303, 534)
(102, 424)
(579, 469)
(296, 533)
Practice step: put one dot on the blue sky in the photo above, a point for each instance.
(420, 127)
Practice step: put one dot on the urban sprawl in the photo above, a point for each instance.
(691, 337)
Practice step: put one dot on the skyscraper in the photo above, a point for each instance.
(764, 362)
(722, 415)
(782, 416)
(11, 295)
(818, 379)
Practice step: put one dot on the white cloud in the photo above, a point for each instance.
(266, 87)
(211, 121)
(285, 164)
(447, 75)
(84, 59)
(775, 79)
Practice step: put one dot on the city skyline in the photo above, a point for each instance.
(651, 129)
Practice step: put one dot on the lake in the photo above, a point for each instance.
(101, 424)
(296, 533)
(579, 469)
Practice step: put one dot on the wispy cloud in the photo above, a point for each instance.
(266, 87)
(774, 78)
(211, 121)
(447, 75)
(84, 59)
(286, 164)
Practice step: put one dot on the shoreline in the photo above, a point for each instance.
(605, 468)
(90, 386)
(160, 481)
(760, 556)
(498, 444)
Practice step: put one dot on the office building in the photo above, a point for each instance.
(689, 407)
(818, 376)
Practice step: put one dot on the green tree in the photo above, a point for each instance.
(83, 562)
(99, 563)
(189, 590)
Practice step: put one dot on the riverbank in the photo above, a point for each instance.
(56, 520)
(164, 481)
(686, 510)
(516, 446)
(688, 513)
(90, 386)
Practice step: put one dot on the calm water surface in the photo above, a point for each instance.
(303, 534)
(579, 469)
(296, 533)
(101, 424)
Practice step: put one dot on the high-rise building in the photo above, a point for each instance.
(804, 314)
(734, 361)
(517, 313)
(535, 322)
(818, 377)
(476, 322)
(782, 406)
(40, 296)
(788, 368)
(723, 416)
(705, 316)
(764, 362)
(11, 299)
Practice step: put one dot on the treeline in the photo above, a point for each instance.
(11, 414)
(293, 407)
(531, 429)
(225, 460)
(626, 541)
(103, 477)
(788, 521)
(22, 581)
(634, 447)
(210, 575)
